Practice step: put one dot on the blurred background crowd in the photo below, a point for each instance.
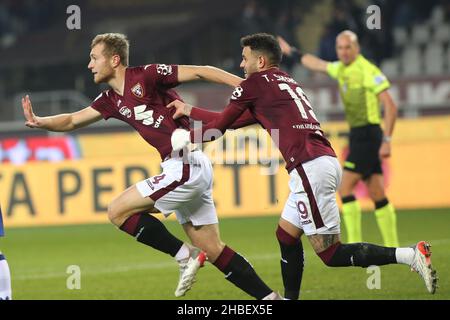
(40, 55)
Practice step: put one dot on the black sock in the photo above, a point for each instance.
(150, 231)
(240, 272)
(358, 254)
(292, 263)
(348, 199)
(380, 204)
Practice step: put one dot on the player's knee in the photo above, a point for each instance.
(114, 215)
(376, 195)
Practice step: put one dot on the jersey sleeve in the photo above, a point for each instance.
(333, 68)
(206, 116)
(376, 81)
(103, 105)
(242, 98)
(162, 75)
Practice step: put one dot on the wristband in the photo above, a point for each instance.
(296, 54)
(387, 139)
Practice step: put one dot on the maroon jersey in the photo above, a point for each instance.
(147, 91)
(273, 99)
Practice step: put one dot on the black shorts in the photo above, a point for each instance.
(365, 144)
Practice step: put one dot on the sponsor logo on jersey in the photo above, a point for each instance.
(141, 114)
(164, 69)
(158, 121)
(138, 91)
(125, 112)
(306, 222)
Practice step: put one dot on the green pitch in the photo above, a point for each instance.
(114, 266)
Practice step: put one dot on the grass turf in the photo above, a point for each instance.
(114, 266)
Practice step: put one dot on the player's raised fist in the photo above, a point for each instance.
(181, 109)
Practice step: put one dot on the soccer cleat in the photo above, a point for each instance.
(188, 270)
(422, 265)
(273, 296)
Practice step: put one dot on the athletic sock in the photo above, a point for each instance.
(387, 222)
(351, 213)
(5, 279)
(358, 254)
(183, 253)
(150, 231)
(404, 255)
(240, 272)
(292, 263)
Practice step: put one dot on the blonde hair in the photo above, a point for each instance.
(115, 44)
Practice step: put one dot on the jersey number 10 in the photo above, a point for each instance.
(299, 98)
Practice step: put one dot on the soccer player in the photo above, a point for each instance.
(5, 276)
(273, 99)
(138, 96)
(362, 87)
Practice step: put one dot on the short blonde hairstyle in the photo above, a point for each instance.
(115, 44)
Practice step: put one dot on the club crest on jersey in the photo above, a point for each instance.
(125, 112)
(138, 91)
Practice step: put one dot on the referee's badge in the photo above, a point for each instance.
(379, 79)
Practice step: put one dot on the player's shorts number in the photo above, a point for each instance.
(157, 179)
(302, 209)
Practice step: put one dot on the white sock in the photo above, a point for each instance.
(5, 280)
(183, 253)
(404, 255)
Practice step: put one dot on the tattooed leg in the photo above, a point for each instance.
(335, 254)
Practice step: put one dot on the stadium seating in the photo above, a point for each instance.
(425, 49)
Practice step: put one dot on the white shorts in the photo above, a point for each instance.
(312, 205)
(184, 187)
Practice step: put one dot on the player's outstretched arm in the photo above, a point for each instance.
(199, 114)
(60, 122)
(207, 73)
(310, 61)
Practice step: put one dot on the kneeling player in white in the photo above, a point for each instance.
(273, 99)
(5, 275)
(138, 96)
